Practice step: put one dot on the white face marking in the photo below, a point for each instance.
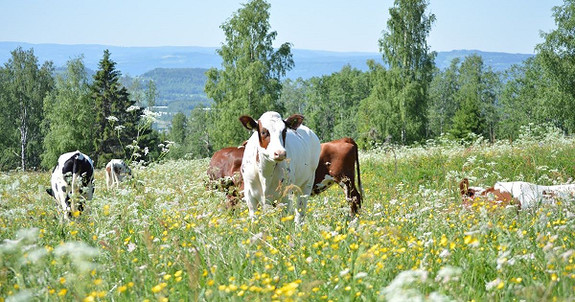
(274, 125)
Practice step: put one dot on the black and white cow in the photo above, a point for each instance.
(73, 174)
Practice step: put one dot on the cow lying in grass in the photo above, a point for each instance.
(522, 194)
(116, 170)
(73, 174)
(338, 163)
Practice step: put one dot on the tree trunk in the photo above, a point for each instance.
(23, 137)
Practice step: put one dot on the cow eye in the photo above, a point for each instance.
(265, 133)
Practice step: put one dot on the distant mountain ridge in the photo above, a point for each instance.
(135, 61)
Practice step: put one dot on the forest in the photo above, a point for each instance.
(407, 100)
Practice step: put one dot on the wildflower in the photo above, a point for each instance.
(132, 108)
(62, 292)
(497, 284)
(112, 118)
(122, 288)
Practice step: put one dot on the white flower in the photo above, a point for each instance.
(492, 284)
(112, 118)
(132, 108)
(448, 273)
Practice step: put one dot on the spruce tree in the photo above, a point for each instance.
(117, 121)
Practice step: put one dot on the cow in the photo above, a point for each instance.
(224, 168)
(279, 161)
(73, 174)
(338, 161)
(116, 170)
(524, 195)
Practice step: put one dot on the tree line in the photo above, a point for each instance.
(45, 114)
(404, 100)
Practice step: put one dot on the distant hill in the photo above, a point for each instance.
(178, 84)
(179, 72)
(136, 61)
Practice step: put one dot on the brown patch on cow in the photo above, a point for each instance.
(108, 169)
(339, 159)
(294, 121)
(224, 173)
(491, 196)
(264, 136)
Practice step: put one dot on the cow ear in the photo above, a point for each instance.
(294, 121)
(464, 187)
(248, 122)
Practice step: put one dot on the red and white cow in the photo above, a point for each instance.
(73, 174)
(116, 170)
(280, 159)
(523, 194)
(337, 164)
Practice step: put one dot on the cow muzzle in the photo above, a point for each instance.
(279, 155)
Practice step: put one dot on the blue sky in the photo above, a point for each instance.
(512, 26)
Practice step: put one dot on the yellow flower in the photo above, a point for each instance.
(62, 292)
(156, 289)
(89, 298)
(62, 280)
(122, 288)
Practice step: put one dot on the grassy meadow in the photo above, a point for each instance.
(162, 236)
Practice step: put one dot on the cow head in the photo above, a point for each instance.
(272, 129)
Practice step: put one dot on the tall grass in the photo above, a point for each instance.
(163, 236)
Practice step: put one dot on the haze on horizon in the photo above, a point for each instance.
(511, 26)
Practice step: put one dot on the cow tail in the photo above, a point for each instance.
(358, 173)
(74, 175)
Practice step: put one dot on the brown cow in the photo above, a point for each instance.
(224, 169)
(337, 164)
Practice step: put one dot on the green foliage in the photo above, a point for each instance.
(476, 100)
(118, 120)
(179, 127)
(332, 103)
(249, 81)
(410, 60)
(68, 114)
(558, 61)
(525, 98)
(24, 85)
(443, 104)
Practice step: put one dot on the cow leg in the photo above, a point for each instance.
(252, 203)
(115, 179)
(108, 177)
(302, 201)
(61, 196)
